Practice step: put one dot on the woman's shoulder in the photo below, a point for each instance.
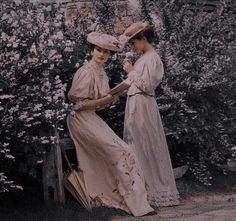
(151, 57)
(84, 71)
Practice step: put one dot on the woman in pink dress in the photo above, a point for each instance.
(112, 174)
(143, 128)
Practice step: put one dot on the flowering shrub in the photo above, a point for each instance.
(39, 56)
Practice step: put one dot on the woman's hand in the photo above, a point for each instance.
(127, 65)
(109, 98)
(113, 98)
(116, 96)
(95, 104)
(103, 102)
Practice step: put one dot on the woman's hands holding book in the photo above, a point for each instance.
(113, 98)
(116, 96)
(109, 98)
(95, 104)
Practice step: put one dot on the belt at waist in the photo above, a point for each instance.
(142, 93)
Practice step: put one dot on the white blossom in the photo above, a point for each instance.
(6, 96)
(50, 43)
(33, 60)
(18, 187)
(29, 119)
(68, 49)
(33, 48)
(59, 35)
(48, 99)
(9, 156)
(17, 56)
(13, 109)
(36, 122)
(20, 134)
(4, 36)
(37, 107)
(45, 141)
(49, 114)
(23, 115)
(51, 66)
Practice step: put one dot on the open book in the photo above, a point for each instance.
(119, 88)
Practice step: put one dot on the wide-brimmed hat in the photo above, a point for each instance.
(132, 30)
(104, 41)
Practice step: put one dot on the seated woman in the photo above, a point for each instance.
(111, 171)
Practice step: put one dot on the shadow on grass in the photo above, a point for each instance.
(31, 209)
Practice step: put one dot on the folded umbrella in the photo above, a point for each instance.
(74, 182)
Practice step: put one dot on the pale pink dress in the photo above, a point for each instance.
(112, 173)
(143, 130)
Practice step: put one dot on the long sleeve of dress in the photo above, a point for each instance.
(82, 87)
(147, 75)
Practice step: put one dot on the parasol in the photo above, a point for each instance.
(74, 182)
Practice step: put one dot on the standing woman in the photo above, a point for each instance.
(143, 128)
(112, 174)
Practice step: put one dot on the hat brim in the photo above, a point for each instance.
(104, 41)
(131, 31)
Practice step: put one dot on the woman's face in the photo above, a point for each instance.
(100, 55)
(138, 45)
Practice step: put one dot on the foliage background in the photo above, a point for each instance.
(40, 53)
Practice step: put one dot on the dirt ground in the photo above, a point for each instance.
(204, 208)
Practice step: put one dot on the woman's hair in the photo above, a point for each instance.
(148, 33)
(92, 46)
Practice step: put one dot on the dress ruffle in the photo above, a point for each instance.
(164, 198)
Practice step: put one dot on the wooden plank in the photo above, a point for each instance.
(49, 188)
(59, 171)
(53, 187)
(67, 144)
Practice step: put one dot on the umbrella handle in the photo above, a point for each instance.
(66, 158)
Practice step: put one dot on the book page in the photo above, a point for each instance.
(119, 88)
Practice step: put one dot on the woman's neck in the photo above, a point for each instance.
(148, 47)
(96, 64)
